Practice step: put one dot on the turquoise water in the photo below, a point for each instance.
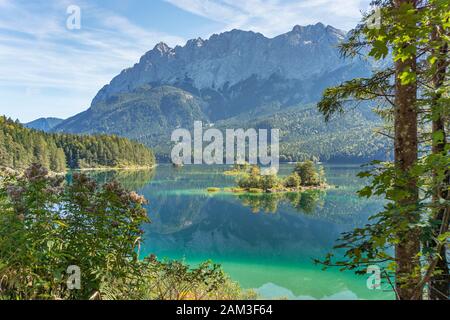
(265, 243)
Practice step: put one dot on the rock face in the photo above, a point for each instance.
(233, 74)
(232, 57)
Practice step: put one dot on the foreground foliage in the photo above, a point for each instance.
(47, 226)
(412, 95)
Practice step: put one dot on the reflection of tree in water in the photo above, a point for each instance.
(129, 179)
(305, 202)
(261, 202)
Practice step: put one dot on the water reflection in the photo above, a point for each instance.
(271, 251)
(129, 179)
(305, 202)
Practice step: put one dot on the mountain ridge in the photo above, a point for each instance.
(44, 124)
(228, 75)
(231, 57)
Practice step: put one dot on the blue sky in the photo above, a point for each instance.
(48, 70)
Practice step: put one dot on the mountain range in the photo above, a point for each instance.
(44, 124)
(239, 79)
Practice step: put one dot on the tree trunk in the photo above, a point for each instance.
(440, 283)
(406, 143)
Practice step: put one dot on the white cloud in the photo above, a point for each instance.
(85, 58)
(4, 3)
(273, 17)
(38, 52)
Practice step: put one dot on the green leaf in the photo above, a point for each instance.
(50, 244)
(432, 59)
(62, 224)
(438, 137)
(407, 77)
(443, 237)
(365, 192)
(379, 50)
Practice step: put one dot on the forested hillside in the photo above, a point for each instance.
(304, 135)
(20, 147)
(147, 115)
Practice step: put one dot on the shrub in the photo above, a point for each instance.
(269, 182)
(255, 180)
(47, 226)
(293, 181)
(308, 173)
(250, 180)
(174, 280)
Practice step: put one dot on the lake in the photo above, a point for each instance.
(264, 242)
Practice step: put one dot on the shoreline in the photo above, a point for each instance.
(115, 168)
(53, 173)
(256, 191)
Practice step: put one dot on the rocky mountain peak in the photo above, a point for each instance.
(234, 56)
(315, 32)
(302, 29)
(162, 47)
(195, 43)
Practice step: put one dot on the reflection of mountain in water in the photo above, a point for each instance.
(185, 218)
(129, 179)
(222, 225)
(273, 291)
(259, 239)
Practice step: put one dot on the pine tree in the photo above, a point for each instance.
(20, 147)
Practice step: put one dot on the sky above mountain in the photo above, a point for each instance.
(47, 69)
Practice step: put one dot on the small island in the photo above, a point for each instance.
(305, 176)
